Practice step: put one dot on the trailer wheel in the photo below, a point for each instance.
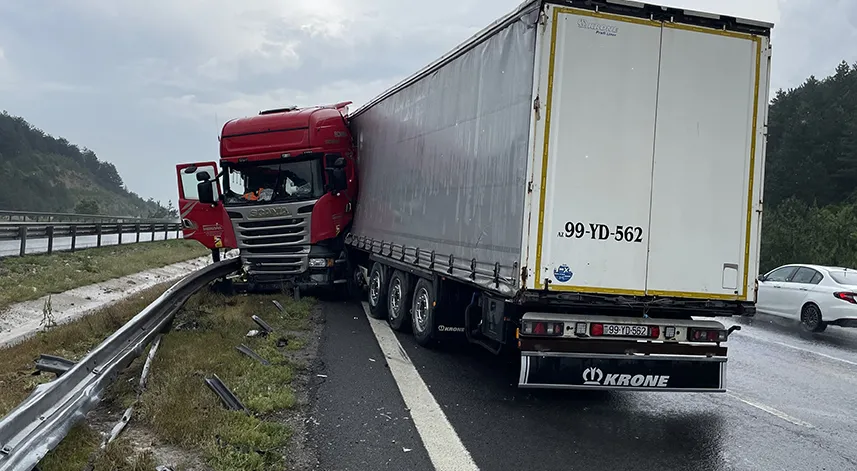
(377, 292)
(422, 313)
(399, 301)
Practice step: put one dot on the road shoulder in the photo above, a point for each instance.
(359, 420)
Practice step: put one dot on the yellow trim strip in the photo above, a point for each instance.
(687, 294)
(717, 32)
(749, 232)
(605, 16)
(596, 290)
(546, 149)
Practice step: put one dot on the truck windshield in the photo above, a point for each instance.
(274, 182)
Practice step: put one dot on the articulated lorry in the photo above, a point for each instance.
(580, 183)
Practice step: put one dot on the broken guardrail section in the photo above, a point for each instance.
(38, 424)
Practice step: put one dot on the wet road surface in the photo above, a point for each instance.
(790, 406)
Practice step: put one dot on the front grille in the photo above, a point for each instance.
(274, 245)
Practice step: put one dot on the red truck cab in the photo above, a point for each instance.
(284, 197)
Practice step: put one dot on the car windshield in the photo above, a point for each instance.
(844, 276)
(274, 182)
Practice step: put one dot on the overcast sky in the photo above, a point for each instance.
(148, 84)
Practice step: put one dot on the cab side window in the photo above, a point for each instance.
(189, 182)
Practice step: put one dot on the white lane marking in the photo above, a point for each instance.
(443, 445)
(772, 411)
(801, 349)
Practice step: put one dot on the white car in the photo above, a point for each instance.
(815, 295)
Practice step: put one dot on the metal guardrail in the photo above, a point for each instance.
(36, 216)
(22, 231)
(39, 423)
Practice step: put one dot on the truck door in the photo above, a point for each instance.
(600, 90)
(207, 223)
(708, 160)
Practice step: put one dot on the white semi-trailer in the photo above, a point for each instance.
(581, 182)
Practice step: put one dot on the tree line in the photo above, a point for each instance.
(810, 203)
(39, 172)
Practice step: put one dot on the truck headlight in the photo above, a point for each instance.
(320, 262)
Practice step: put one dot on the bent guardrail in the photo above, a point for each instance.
(39, 423)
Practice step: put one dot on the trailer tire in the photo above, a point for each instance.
(377, 292)
(422, 313)
(399, 301)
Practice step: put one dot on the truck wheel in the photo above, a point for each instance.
(810, 318)
(377, 292)
(399, 301)
(422, 313)
(350, 290)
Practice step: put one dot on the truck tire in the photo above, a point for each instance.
(399, 301)
(350, 290)
(422, 313)
(377, 292)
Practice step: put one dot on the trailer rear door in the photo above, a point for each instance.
(644, 157)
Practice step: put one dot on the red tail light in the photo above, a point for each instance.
(707, 335)
(542, 328)
(846, 296)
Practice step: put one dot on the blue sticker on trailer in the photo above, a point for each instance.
(562, 273)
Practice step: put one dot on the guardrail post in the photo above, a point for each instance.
(119, 230)
(23, 235)
(49, 231)
(152, 227)
(98, 234)
(137, 228)
(166, 232)
(73, 237)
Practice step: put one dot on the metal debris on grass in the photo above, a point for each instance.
(279, 306)
(53, 364)
(126, 417)
(229, 400)
(261, 323)
(250, 353)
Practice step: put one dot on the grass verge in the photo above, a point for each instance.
(72, 341)
(181, 410)
(33, 276)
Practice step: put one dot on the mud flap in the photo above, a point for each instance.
(623, 372)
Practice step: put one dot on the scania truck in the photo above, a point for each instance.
(284, 196)
(579, 183)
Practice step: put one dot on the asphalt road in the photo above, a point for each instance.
(790, 406)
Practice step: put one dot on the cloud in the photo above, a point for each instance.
(149, 84)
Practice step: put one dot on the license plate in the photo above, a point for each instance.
(626, 330)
